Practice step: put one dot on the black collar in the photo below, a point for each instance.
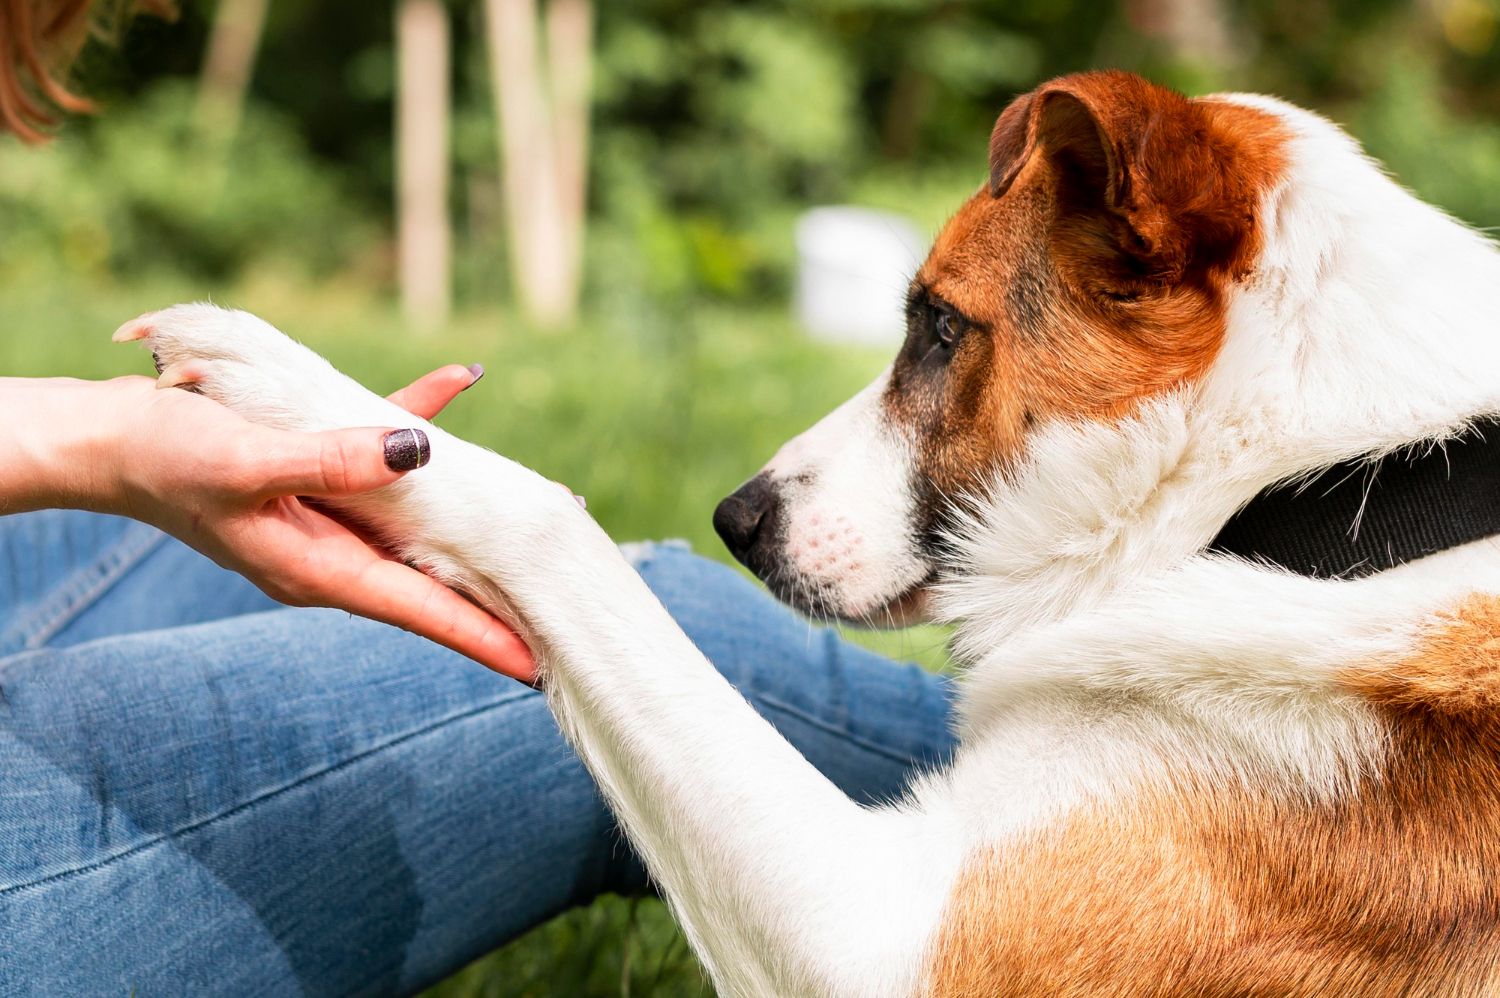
(1364, 516)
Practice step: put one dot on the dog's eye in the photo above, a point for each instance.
(949, 328)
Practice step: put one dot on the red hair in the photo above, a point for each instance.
(38, 39)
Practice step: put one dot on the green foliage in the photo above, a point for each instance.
(972, 58)
(1408, 123)
(143, 190)
(786, 92)
(614, 949)
(717, 121)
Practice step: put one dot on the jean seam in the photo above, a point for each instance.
(86, 585)
(832, 729)
(265, 795)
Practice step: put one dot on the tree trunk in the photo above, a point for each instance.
(569, 63)
(543, 142)
(1195, 31)
(422, 108)
(232, 46)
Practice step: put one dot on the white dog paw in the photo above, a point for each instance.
(250, 366)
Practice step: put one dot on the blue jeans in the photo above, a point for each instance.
(202, 792)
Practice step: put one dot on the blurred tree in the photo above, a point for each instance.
(1194, 31)
(228, 65)
(543, 103)
(423, 237)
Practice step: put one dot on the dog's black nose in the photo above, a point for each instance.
(742, 518)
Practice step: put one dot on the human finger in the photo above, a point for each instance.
(400, 595)
(337, 462)
(431, 393)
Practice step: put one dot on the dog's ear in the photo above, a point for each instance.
(1138, 176)
(1059, 120)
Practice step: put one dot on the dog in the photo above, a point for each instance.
(1182, 770)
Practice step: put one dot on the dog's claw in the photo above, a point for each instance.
(136, 329)
(180, 375)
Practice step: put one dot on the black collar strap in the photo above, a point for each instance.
(1361, 517)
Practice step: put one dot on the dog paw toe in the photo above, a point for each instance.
(239, 360)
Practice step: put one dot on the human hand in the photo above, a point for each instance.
(245, 495)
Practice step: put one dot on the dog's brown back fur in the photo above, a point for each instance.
(1195, 889)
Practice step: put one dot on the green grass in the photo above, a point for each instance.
(615, 947)
(652, 418)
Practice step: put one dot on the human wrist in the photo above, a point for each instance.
(60, 444)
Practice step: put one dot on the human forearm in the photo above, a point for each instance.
(56, 446)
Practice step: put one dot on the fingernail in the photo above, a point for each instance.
(406, 450)
(478, 371)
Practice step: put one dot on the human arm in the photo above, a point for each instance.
(231, 489)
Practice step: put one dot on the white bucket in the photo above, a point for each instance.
(853, 268)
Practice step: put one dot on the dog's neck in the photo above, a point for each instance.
(1367, 328)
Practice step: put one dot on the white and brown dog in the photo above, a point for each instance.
(1181, 772)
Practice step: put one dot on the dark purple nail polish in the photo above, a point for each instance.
(478, 371)
(406, 450)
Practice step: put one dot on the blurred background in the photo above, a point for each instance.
(673, 231)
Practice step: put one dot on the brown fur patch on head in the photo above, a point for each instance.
(1089, 275)
(1199, 888)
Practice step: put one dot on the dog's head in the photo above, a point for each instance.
(1088, 275)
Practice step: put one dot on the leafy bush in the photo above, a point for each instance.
(717, 122)
(141, 189)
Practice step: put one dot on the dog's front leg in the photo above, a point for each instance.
(783, 885)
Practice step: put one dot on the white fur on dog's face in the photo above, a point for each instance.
(844, 538)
